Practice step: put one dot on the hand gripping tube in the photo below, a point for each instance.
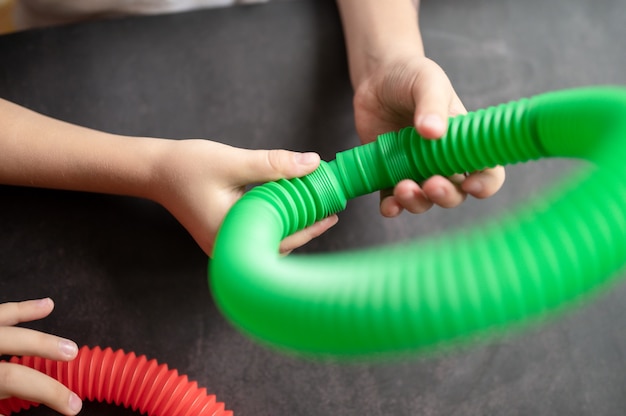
(441, 289)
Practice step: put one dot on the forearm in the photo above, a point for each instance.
(39, 151)
(376, 30)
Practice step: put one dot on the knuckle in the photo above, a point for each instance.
(10, 313)
(276, 160)
(39, 343)
(9, 375)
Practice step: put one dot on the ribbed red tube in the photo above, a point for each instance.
(123, 379)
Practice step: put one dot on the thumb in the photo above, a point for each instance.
(433, 95)
(270, 165)
(431, 115)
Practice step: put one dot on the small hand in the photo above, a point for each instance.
(200, 180)
(23, 382)
(414, 90)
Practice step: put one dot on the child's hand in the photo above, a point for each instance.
(196, 180)
(414, 90)
(24, 382)
(199, 180)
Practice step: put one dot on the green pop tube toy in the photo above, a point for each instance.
(443, 289)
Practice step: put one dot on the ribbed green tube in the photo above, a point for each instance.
(442, 289)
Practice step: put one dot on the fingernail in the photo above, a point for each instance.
(43, 303)
(76, 404)
(68, 348)
(390, 210)
(307, 158)
(332, 220)
(432, 122)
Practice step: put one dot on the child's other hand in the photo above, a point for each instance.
(410, 89)
(199, 180)
(23, 382)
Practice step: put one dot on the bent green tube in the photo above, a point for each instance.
(437, 290)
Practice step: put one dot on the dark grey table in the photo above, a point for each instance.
(124, 274)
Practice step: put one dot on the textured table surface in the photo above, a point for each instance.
(124, 274)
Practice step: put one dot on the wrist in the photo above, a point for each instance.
(378, 32)
(158, 165)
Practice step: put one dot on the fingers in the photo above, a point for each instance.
(406, 195)
(28, 384)
(23, 341)
(304, 236)
(23, 382)
(484, 184)
(444, 192)
(270, 165)
(12, 313)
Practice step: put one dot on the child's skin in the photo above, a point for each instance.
(23, 382)
(198, 180)
(395, 86)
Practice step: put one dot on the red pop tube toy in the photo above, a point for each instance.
(124, 379)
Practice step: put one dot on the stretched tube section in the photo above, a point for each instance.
(444, 288)
(123, 379)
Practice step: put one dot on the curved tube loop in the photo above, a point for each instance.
(441, 289)
(124, 379)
